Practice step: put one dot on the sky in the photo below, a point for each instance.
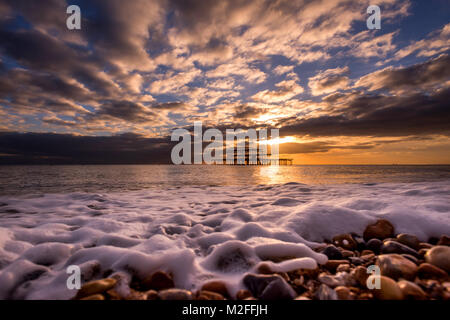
(113, 91)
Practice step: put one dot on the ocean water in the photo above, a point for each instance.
(15, 180)
(197, 222)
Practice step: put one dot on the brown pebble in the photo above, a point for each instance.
(344, 293)
(345, 241)
(216, 286)
(381, 229)
(428, 271)
(389, 289)
(411, 291)
(332, 265)
(343, 268)
(158, 281)
(151, 295)
(94, 297)
(444, 241)
(347, 253)
(209, 295)
(423, 252)
(94, 287)
(113, 295)
(136, 295)
(396, 266)
(175, 294)
(409, 240)
(361, 275)
(243, 294)
(366, 252)
(365, 296)
(302, 298)
(425, 245)
(264, 268)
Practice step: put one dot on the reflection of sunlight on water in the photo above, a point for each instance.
(271, 175)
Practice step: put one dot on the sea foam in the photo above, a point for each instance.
(196, 233)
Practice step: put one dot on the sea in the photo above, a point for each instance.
(198, 223)
(17, 180)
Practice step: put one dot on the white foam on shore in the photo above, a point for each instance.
(196, 233)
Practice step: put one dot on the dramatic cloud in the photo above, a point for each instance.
(66, 149)
(379, 115)
(329, 81)
(285, 90)
(144, 67)
(419, 77)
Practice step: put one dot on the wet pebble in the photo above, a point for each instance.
(381, 229)
(440, 257)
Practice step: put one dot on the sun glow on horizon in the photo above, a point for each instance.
(279, 140)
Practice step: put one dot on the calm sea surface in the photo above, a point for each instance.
(16, 180)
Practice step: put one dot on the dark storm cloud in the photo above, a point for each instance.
(318, 146)
(246, 112)
(41, 53)
(63, 148)
(420, 76)
(127, 110)
(378, 115)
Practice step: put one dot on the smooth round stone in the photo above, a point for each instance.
(374, 245)
(440, 257)
(429, 271)
(158, 281)
(347, 253)
(411, 290)
(396, 247)
(425, 245)
(175, 294)
(444, 241)
(366, 252)
(94, 297)
(136, 295)
(209, 295)
(343, 268)
(422, 252)
(302, 298)
(360, 274)
(269, 287)
(151, 295)
(95, 287)
(344, 293)
(356, 260)
(389, 289)
(381, 229)
(345, 241)
(216, 286)
(410, 258)
(395, 266)
(243, 294)
(360, 243)
(409, 240)
(332, 252)
(278, 290)
(332, 265)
